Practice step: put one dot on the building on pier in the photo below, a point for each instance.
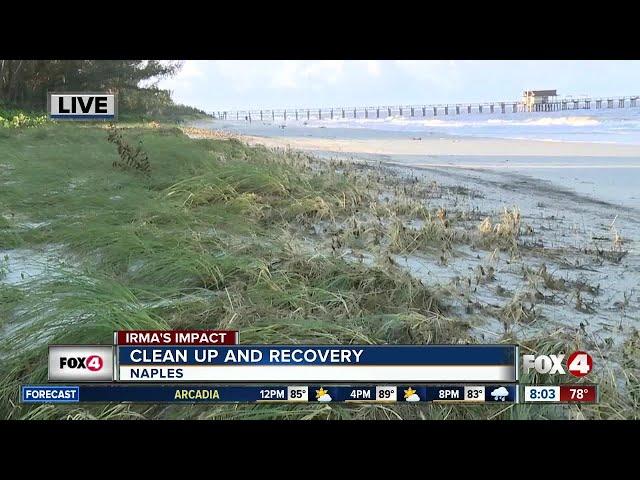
(537, 100)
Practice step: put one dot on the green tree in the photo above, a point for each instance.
(24, 83)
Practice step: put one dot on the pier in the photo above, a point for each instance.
(428, 111)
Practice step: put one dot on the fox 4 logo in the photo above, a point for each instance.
(93, 363)
(578, 364)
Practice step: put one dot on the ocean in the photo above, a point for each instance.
(602, 125)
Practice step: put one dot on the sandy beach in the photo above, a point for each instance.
(451, 146)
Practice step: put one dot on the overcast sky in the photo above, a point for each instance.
(241, 84)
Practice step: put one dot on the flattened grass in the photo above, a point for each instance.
(196, 244)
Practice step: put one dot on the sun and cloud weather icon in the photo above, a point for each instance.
(410, 395)
(500, 393)
(322, 395)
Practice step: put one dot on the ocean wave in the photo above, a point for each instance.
(398, 121)
(601, 126)
(434, 122)
(392, 121)
(548, 121)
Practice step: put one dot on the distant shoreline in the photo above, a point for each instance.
(464, 146)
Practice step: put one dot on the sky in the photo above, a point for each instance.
(214, 85)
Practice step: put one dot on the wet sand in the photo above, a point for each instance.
(449, 146)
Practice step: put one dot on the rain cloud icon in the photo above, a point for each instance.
(500, 393)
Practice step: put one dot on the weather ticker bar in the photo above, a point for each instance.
(416, 393)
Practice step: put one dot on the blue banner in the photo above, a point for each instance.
(49, 394)
(472, 355)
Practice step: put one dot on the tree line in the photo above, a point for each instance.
(25, 83)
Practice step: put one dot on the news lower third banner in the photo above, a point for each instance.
(317, 363)
(284, 363)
